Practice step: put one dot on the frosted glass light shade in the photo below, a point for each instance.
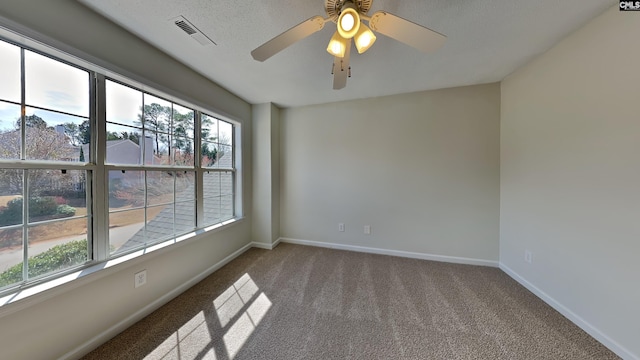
(364, 38)
(348, 23)
(337, 45)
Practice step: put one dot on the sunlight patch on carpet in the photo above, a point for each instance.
(240, 302)
(188, 342)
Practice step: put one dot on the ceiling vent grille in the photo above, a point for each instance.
(190, 29)
(185, 26)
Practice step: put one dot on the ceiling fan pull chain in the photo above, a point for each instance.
(349, 71)
(333, 66)
(341, 65)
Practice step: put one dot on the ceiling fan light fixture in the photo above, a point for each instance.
(350, 17)
(337, 45)
(349, 21)
(364, 38)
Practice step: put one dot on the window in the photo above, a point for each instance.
(147, 207)
(217, 158)
(79, 187)
(44, 217)
(152, 201)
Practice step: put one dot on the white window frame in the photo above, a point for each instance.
(97, 171)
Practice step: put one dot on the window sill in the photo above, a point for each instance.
(29, 296)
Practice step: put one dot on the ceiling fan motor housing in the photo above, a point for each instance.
(334, 7)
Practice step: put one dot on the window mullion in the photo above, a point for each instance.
(88, 175)
(100, 188)
(146, 207)
(234, 201)
(25, 227)
(25, 172)
(197, 144)
(143, 139)
(23, 107)
(236, 171)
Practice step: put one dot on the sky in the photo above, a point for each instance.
(49, 83)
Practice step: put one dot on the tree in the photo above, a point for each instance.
(133, 136)
(43, 143)
(72, 131)
(205, 130)
(84, 132)
(155, 117)
(183, 137)
(209, 151)
(79, 134)
(112, 135)
(32, 121)
(209, 155)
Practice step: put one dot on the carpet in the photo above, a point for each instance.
(301, 302)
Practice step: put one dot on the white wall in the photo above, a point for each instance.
(421, 169)
(62, 323)
(570, 177)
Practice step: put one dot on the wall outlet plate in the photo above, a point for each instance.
(528, 256)
(140, 278)
(367, 229)
(341, 227)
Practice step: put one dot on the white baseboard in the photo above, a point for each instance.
(103, 337)
(265, 245)
(576, 319)
(137, 316)
(406, 254)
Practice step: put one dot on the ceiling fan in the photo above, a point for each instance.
(349, 16)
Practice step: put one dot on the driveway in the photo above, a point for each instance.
(13, 256)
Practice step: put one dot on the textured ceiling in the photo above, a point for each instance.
(486, 41)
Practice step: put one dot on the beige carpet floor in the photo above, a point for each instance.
(299, 302)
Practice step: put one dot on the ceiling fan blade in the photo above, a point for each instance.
(405, 31)
(341, 69)
(288, 38)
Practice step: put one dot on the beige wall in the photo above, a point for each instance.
(421, 169)
(266, 170)
(62, 323)
(275, 173)
(570, 177)
(439, 172)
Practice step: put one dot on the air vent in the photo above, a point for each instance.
(190, 29)
(185, 26)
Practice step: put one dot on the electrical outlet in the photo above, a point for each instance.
(367, 229)
(341, 227)
(528, 256)
(140, 278)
